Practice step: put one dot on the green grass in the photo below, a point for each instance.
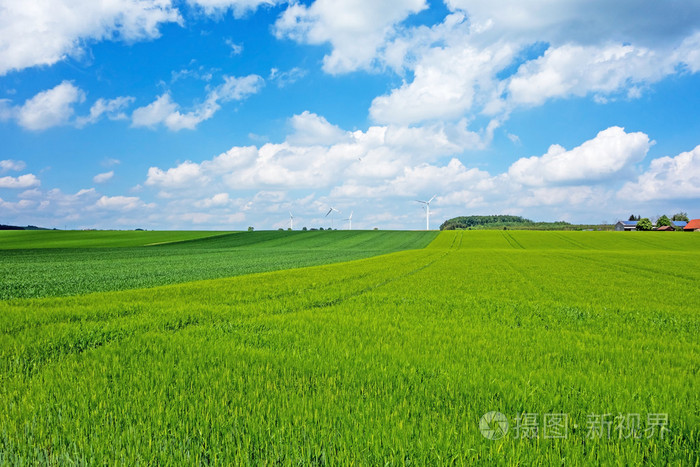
(29, 239)
(387, 360)
(41, 269)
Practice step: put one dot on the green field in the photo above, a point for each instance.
(48, 263)
(392, 359)
(32, 239)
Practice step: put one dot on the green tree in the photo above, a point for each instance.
(250, 229)
(680, 216)
(663, 220)
(644, 224)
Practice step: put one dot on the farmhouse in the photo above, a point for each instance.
(693, 225)
(666, 228)
(679, 224)
(625, 226)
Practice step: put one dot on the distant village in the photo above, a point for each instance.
(678, 222)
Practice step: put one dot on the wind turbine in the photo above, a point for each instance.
(349, 219)
(331, 210)
(291, 221)
(427, 211)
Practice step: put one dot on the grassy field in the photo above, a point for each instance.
(32, 239)
(40, 264)
(385, 360)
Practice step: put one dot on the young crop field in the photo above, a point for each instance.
(586, 343)
(48, 263)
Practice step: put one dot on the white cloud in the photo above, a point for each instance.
(235, 89)
(356, 29)
(319, 154)
(164, 111)
(480, 60)
(9, 164)
(236, 49)
(445, 85)
(605, 155)
(582, 21)
(50, 108)
(103, 177)
(121, 203)
(667, 178)
(110, 162)
(43, 32)
(573, 70)
(23, 181)
(112, 108)
(312, 129)
(7, 112)
(285, 78)
(182, 176)
(239, 7)
(154, 113)
(218, 200)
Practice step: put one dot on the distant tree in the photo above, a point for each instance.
(320, 228)
(251, 228)
(680, 216)
(304, 229)
(662, 221)
(644, 224)
(635, 218)
(280, 228)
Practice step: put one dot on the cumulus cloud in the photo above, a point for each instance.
(113, 109)
(312, 129)
(582, 21)
(605, 155)
(667, 178)
(50, 108)
(480, 59)
(319, 154)
(356, 29)
(21, 182)
(121, 203)
(103, 177)
(165, 111)
(182, 176)
(573, 70)
(56, 106)
(9, 164)
(218, 200)
(43, 32)
(444, 86)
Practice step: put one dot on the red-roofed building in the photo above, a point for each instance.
(666, 228)
(692, 225)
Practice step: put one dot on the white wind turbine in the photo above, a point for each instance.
(330, 211)
(291, 221)
(349, 219)
(427, 211)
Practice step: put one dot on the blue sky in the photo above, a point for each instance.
(224, 114)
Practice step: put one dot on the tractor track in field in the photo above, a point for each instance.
(365, 290)
(646, 271)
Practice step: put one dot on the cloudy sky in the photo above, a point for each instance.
(224, 114)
